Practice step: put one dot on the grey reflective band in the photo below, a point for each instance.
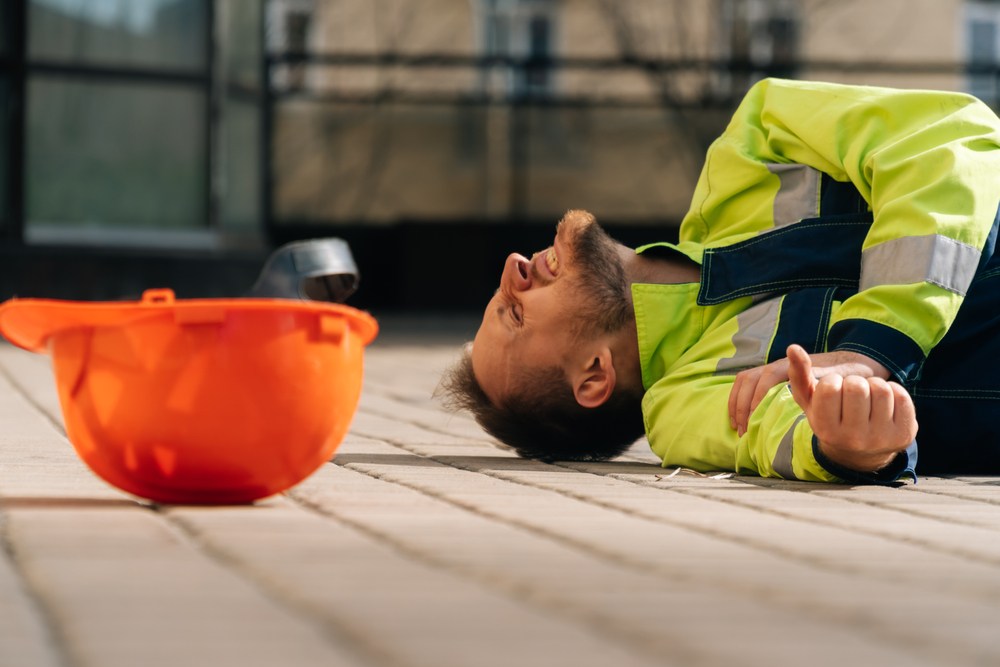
(933, 258)
(755, 329)
(782, 463)
(798, 195)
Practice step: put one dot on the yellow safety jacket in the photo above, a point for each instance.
(836, 217)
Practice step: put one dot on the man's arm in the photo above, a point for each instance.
(750, 386)
(687, 426)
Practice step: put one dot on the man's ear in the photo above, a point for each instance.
(595, 379)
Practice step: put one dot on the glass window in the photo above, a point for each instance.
(239, 50)
(240, 155)
(982, 42)
(521, 30)
(239, 47)
(538, 76)
(981, 49)
(760, 38)
(115, 155)
(145, 33)
(290, 29)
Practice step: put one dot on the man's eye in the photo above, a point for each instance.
(515, 314)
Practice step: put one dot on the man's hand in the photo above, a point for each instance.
(861, 422)
(750, 386)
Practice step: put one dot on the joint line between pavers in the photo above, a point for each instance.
(888, 635)
(912, 540)
(900, 640)
(32, 401)
(333, 629)
(608, 627)
(40, 609)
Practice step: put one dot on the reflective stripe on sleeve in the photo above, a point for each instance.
(798, 195)
(782, 463)
(914, 259)
(755, 329)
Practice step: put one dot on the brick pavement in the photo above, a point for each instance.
(424, 544)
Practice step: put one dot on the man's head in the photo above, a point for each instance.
(541, 374)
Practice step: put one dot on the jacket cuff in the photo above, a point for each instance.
(902, 468)
(894, 350)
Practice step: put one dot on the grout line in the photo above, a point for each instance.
(912, 540)
(958, 495)
(911, 511)
(427, 425)
(334, 629)
(831, 565)
(894, 537)
(39, 608)
(764, 593)
(27, 395)
(622, 635)
(764, 547)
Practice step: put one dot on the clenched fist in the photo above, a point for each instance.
(860, 422)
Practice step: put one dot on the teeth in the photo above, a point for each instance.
(552, 260)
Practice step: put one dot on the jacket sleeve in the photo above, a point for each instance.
(687, 428)
(927, 164)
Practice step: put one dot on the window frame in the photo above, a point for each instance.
(19, 69)
(520, 64)
(760, 58)
(977, 81)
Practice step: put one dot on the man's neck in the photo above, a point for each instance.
(658, 269)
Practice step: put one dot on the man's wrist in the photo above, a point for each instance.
(872, 366)
(900, 466)
(859, 462)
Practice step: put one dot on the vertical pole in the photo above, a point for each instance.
(213, 75)
(519, 130)
(266, 130)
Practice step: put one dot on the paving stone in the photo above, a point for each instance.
(561, 576)
(703, 554)
(124, 590)
(24, 632)
(389, 601)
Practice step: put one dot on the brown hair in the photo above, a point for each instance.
(543, 419)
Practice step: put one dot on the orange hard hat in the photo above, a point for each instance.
(200, 400)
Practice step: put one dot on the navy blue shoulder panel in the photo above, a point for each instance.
(816, 252)
(893, 349)
(805, 320)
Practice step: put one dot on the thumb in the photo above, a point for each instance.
(800, 375)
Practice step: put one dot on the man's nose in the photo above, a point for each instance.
(516, 272)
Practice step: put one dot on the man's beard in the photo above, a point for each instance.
(600, 275)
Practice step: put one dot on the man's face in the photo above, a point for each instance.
(546, 305)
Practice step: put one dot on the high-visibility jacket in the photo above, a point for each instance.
(836, 217)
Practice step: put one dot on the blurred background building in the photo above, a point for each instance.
(172, 143)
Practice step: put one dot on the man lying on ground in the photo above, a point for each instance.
(834, 283)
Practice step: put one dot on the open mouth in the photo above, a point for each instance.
(545, 264)
(552, 261)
